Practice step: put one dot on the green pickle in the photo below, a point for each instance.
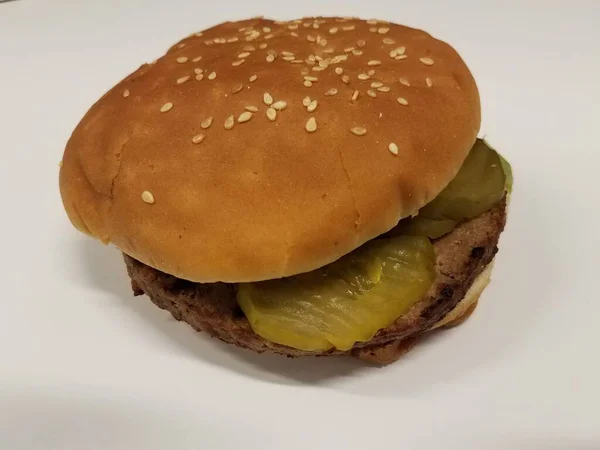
(351, 299)
(480, 183)
(345, 302)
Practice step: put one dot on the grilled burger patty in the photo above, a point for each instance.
(461, 256)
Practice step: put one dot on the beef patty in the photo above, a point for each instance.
(461, 256)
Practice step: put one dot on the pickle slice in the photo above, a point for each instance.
(345, 302)
(480, 183)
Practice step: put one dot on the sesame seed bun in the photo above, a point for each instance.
(261, 149)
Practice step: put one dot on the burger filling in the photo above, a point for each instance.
(349, 300)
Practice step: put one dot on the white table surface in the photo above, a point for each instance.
(84, 365)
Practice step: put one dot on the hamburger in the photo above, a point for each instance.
(309, 187)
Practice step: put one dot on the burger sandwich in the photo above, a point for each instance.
(309, 187)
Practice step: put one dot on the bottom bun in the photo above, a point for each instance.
(463, 266)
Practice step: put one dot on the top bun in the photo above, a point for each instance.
(262, 149)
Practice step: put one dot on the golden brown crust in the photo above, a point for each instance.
(267, 198)
(461, 256)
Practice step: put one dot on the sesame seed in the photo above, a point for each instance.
(402, 101)
(384, 89)
(374, 62)
(376, 84)
(312, 106)
(358, 131)
(393, 148)
(148, 197)
(363, 76)
(310, 38)
(251, 108)
(200, 34)
(289, 58)
(238, 63)
(355, 95)
(166, 107)
(266, 29)
(182, 59)
(243, 55)
(361, 43)
(198, 71)
(398, 52)
(126, 93)
(293, 33)
(383, 30)
(233, 39)
(293, 26)
(199, 77)
(229, 123)
(333, 30)
(339, 70)
(372, 93)
(270, 58)
(252, 79)
(279, 105)
(206, 123)
(373, 30)
(248, 48)
(315, 25)
(212, 76)
(305, 71)
(245, 117)
(268, 99)
(198, 138)
(348, 28)
(388, 41)
(237, 88)
(60, 164)
(262, 46)
(183, 79)
(372, 22)
(428, 82)
(338, 59)
(357, 52)
(271, 114)
(307, 83)
(323, 43)
(404, 81)
(287, 53)
(310, 78)
(346, 79)
(306, 101)
(197, 58)
(401, 57)
(427, 61)
(371, 72)
(311, 125)
(318, 69)
(332, 91)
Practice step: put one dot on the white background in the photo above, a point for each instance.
(84, 365)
